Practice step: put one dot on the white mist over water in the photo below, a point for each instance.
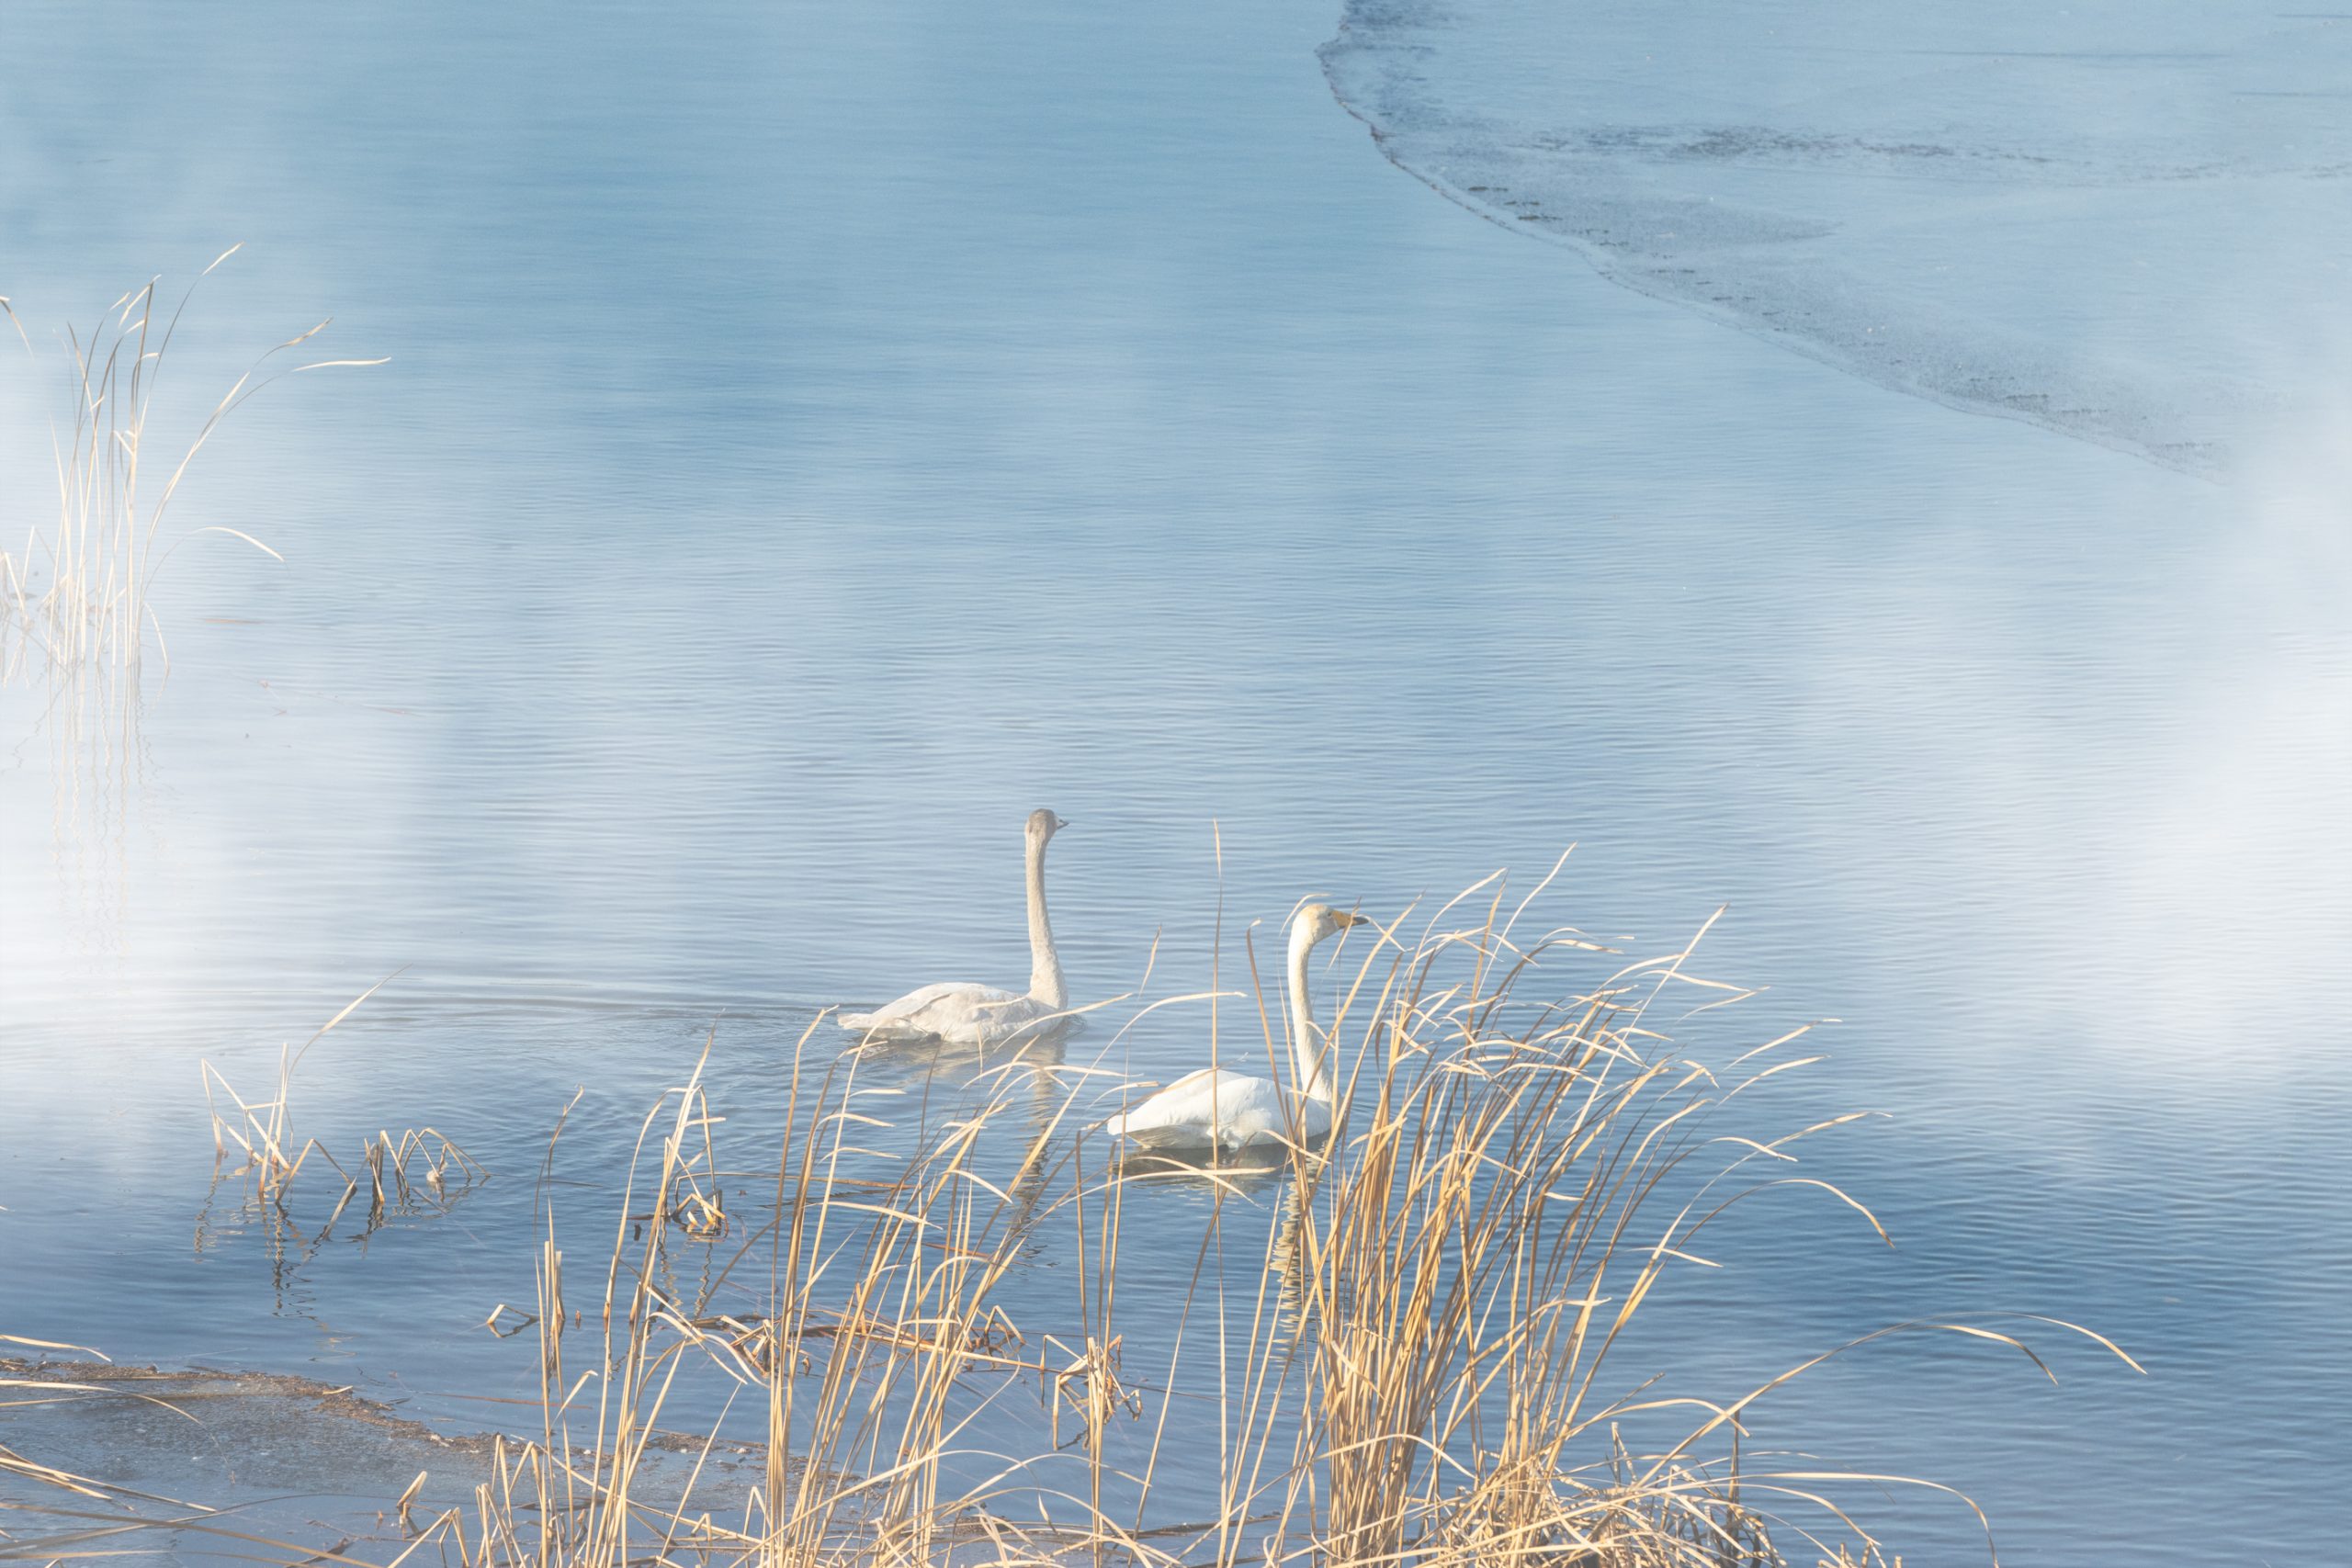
(2124, 223)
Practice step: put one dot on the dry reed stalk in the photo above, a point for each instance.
(77, 592)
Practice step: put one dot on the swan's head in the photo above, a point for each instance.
(1317, 922)
(1043, 825)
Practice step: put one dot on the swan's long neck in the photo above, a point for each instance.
(1046, 983)
(1306, 1036)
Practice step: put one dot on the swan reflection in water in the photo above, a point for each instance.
(1247, 1181)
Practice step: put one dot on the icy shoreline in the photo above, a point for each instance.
(2129, 242)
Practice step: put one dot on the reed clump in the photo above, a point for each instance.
(419, 1170)
(874, 1354)
(75, 596)
(1519, 1169)
(1517, 1175)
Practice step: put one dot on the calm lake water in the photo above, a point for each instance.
(813, 437)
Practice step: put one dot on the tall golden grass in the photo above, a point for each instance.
(76, 597)
(1522, 1165)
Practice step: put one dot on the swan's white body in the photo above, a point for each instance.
(960, 1012)
(1217, 1107)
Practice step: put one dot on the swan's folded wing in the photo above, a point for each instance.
(933, 1009)
(1203, 1100)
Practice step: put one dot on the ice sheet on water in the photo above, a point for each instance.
(2124, 221)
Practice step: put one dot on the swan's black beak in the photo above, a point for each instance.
(1060, 823)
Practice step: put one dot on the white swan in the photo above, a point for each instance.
(958, 1012)
(1218, 1106)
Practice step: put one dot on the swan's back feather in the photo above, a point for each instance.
(1219, 1105)
(959, 1011)
(916, 1001)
